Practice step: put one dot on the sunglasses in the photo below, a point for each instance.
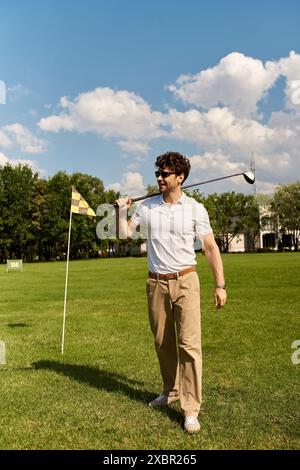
(163, 174)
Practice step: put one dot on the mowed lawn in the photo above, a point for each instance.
(95, 396)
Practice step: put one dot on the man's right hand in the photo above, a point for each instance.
(123, 202)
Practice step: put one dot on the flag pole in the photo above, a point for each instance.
(66, 285)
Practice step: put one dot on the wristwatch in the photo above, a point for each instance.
(221, 286)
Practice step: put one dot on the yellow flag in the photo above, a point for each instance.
(79, 204)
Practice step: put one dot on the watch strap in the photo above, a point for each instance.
(221, 286)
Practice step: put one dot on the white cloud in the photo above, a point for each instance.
(5, 160)
(2, 92)
(289, 67)
(293, 94)
(4, 140)
(113, 186)
(218, 127)
(117, 114)
(23, 137)
(275, 146)
(265, 187)
(132, 184)
(287, 120)
(134, 147)
(237, 82)
(216, 162)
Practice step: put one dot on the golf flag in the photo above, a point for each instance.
(78, 206)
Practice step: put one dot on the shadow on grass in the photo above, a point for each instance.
(108, 381)
(17, 325)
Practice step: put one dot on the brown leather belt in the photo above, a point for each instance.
(167, 277)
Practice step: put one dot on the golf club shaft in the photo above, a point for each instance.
(135, 199)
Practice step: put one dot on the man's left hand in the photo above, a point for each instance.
(220, 297)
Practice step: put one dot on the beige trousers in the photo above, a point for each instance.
(174, 313)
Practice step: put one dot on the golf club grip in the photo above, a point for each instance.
(135, 199)
(140, 198)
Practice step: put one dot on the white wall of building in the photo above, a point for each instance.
(237, 244)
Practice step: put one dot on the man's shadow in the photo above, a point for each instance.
(108, 381)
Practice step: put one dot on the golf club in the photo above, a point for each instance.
(249, 176)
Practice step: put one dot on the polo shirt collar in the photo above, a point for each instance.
(180, 201)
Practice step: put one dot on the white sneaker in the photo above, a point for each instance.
(191, 424)
(162, 400)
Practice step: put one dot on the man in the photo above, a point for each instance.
(172, 221)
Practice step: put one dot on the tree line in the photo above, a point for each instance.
(34, 215)
(233, 213)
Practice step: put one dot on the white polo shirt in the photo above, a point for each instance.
(171, 230)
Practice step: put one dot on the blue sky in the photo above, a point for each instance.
(93, 87)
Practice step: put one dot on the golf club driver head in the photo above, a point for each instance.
(249, 176)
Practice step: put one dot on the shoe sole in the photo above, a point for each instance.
(194, 431)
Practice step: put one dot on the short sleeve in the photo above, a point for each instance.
(202, 223)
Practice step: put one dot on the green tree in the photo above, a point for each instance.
(196, 194)
(151, 189)
(250, 221)
(54, 236)
(38, 217)
(236, 214)
(17, 208)
(286, 208)
(231, 214)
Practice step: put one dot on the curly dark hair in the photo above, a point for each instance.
(175, 161)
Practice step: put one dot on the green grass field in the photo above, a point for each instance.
(95, 396)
